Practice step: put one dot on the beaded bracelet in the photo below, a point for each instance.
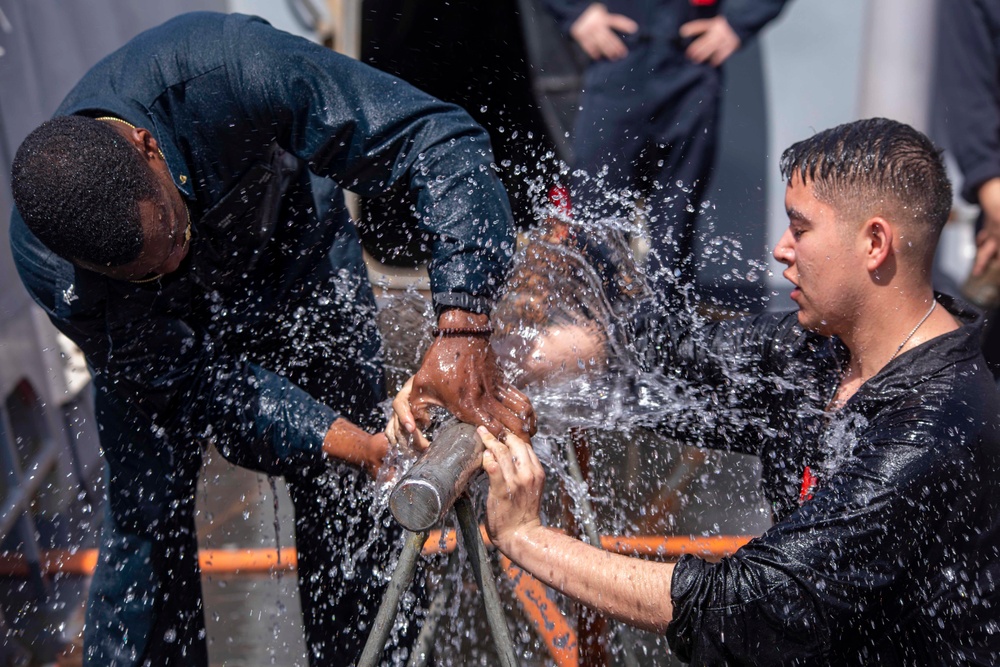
(485, 332)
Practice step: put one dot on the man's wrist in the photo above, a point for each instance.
(518, 542)
(456, 318)
(475, 332)
(348, 442)
(445, 301)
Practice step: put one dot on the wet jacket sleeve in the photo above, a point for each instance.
(369, 131)
(837, 565)
(256, 418)
(172, 378)
(747, 17)
(970, 88)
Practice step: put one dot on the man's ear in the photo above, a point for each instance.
(146, 143)
(878, 238)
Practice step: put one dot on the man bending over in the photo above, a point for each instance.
(182, 219)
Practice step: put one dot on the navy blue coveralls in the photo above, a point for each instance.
(648, 123)
(266, 333)
(892, 557)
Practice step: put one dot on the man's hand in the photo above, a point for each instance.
(988, 239)
(596, 31)
(714, 40)
(634, 590)
(516, 483)
(459, 373)
(402, 427)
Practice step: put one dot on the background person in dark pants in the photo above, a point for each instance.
(182, 220)
(648, 117)
(969, 76)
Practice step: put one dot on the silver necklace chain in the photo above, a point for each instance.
(837, 403)
(910, 335)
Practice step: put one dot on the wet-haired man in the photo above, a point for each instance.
(182, 220)
(876, 423)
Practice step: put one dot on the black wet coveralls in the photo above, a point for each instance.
(892, 555)
(266, 333)
(649, 122)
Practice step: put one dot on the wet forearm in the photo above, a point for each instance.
(352, 444)
(630, 589)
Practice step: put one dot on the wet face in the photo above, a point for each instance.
(822, 257)
(166, 233)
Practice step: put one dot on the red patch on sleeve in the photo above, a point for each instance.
(808, 485)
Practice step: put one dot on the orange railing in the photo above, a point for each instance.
(536, 600)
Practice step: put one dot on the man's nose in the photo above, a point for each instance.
(783, 250)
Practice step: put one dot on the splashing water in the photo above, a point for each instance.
(570, 295)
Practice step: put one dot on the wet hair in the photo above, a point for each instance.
(78, 183)
(876, 167)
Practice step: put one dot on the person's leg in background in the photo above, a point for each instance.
(648, 125)
(608, 140)
(679, 169)
(608, 137)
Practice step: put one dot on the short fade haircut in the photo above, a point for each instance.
(872, 167)
(77, 183)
